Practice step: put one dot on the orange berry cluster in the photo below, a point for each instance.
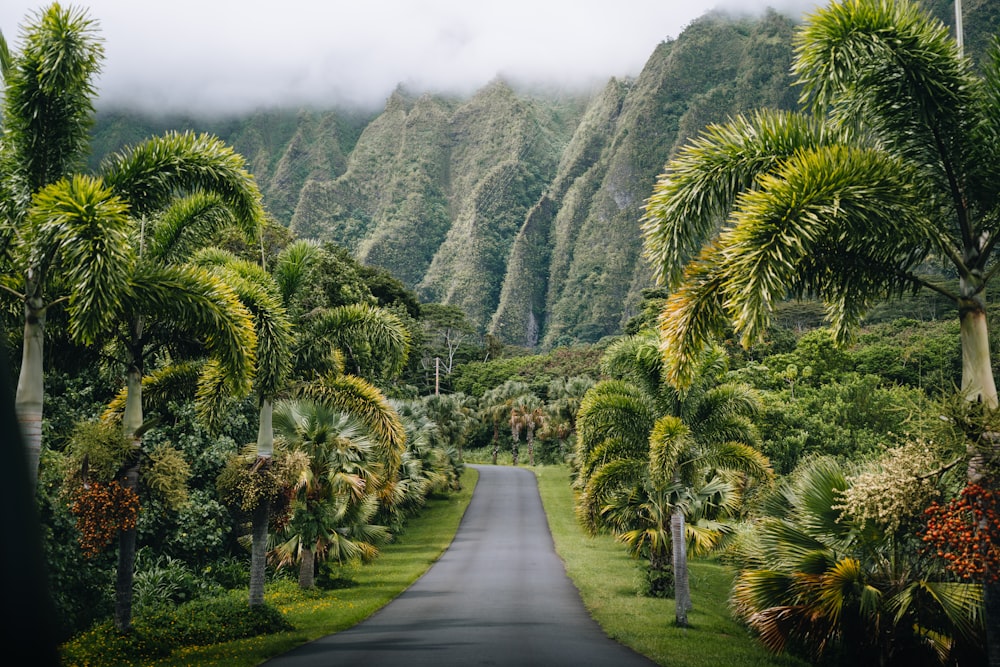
(966, 533)
(102, 511)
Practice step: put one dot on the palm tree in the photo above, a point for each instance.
(454, 415)
(526, 413)
(814, 577)
(47, 111)
(495, 405)
(896, 169)
(336, 498)
(641, 437)
(261, 293)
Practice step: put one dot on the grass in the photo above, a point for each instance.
(607, 579)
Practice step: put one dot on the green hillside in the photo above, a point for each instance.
(519, 207)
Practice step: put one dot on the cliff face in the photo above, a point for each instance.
(521, 208)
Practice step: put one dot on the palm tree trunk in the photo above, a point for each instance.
(515, 437)
(31, 385)
(682, 589)
(126, 556)
(307, 563)
(978, 383)
(131, 422)
(496, 442)
(258, 548)
(531, 446)
(258, 553)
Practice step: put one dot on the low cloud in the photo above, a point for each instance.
(233, 56)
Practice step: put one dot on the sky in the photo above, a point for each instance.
(232, 56)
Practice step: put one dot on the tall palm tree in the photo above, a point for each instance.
(261, 293)
(898, 167)
(640, 437)
(526, 414)
(173, 192)
(46, 116)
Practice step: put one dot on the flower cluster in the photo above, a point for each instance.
(966, 533)
(102, 511)
(891, 491)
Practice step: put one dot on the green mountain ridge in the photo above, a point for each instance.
(520, 207)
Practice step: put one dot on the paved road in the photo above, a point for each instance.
(498, 596)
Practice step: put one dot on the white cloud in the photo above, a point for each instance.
(234, 55)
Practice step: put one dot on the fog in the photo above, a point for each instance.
(233, 56)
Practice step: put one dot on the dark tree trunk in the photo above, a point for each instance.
(126, 557)
(258, 553)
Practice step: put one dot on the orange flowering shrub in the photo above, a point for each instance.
(966, 533)
(102, 511)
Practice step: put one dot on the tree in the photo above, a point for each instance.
(640, 436)
(495, 405)
(897, 168)
(47, 111)
(526, 414)
(336, 495)
(261, 294)
(454, 415)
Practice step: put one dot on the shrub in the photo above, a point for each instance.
(156, 633)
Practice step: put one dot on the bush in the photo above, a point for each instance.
(157, 633)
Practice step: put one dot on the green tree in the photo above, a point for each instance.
(495, 405)
(336, 494)
(455, 417)
(897, 168)
(526, 414)
(47, 111)
(261, 294)
(640, 435)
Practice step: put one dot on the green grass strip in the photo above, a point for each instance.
(608, 580)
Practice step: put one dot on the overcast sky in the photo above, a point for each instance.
(235, 55)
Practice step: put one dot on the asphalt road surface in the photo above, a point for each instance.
(498, 596)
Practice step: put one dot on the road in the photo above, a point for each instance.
(498, 596)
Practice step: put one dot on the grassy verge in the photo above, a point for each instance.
(320, 613)
(607, 580)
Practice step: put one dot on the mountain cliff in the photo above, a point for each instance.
(521, 207)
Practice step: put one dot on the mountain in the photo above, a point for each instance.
(521, 207)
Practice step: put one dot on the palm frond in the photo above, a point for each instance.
(363, 400)
(48, 97)
(202, 305)
(187, 224)
(363, 326)
(150, 174)
(80, 224)
(293, 264)
(700, 186)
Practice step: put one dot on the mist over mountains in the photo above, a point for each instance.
(520, 206)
